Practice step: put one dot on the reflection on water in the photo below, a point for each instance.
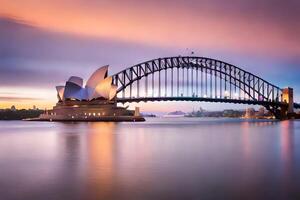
(101, 158)
(156, 159)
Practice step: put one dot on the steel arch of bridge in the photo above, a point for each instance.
(209, 80)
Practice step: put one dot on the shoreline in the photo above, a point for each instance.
(96, 119)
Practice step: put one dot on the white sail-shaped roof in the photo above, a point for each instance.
(112, 92)
(77, 80)
(73, 91)
(60, 92)
(97, 86)
(97, 76)
(103, 88)
(94, 80)
(84, 94)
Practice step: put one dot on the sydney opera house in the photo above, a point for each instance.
(93, 102)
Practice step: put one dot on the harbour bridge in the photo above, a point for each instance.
(189, 78)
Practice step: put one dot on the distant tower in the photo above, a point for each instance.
(288, 97)
(34, 107)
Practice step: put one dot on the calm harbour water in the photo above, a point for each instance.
(161, 158)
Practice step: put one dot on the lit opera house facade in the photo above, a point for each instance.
(93, 102)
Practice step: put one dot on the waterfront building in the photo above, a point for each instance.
(250, 113)
(261, 112)
(93, 102)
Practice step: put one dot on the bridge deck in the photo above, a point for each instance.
(200, 99)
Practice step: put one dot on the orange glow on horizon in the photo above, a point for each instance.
(24, 98)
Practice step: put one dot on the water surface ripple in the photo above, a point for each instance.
(186, 158)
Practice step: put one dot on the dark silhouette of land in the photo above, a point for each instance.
(9, 114)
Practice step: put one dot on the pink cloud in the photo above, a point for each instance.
(237, 26)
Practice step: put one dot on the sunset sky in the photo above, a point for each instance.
(42, 43)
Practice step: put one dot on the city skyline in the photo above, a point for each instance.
(42, 48)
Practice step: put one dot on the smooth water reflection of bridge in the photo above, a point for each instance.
(200, 79)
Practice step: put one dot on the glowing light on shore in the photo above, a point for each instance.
(236, 95)
(226, 93)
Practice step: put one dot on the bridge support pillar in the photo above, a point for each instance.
(285, 112)
(279, 113)
(288, 97)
